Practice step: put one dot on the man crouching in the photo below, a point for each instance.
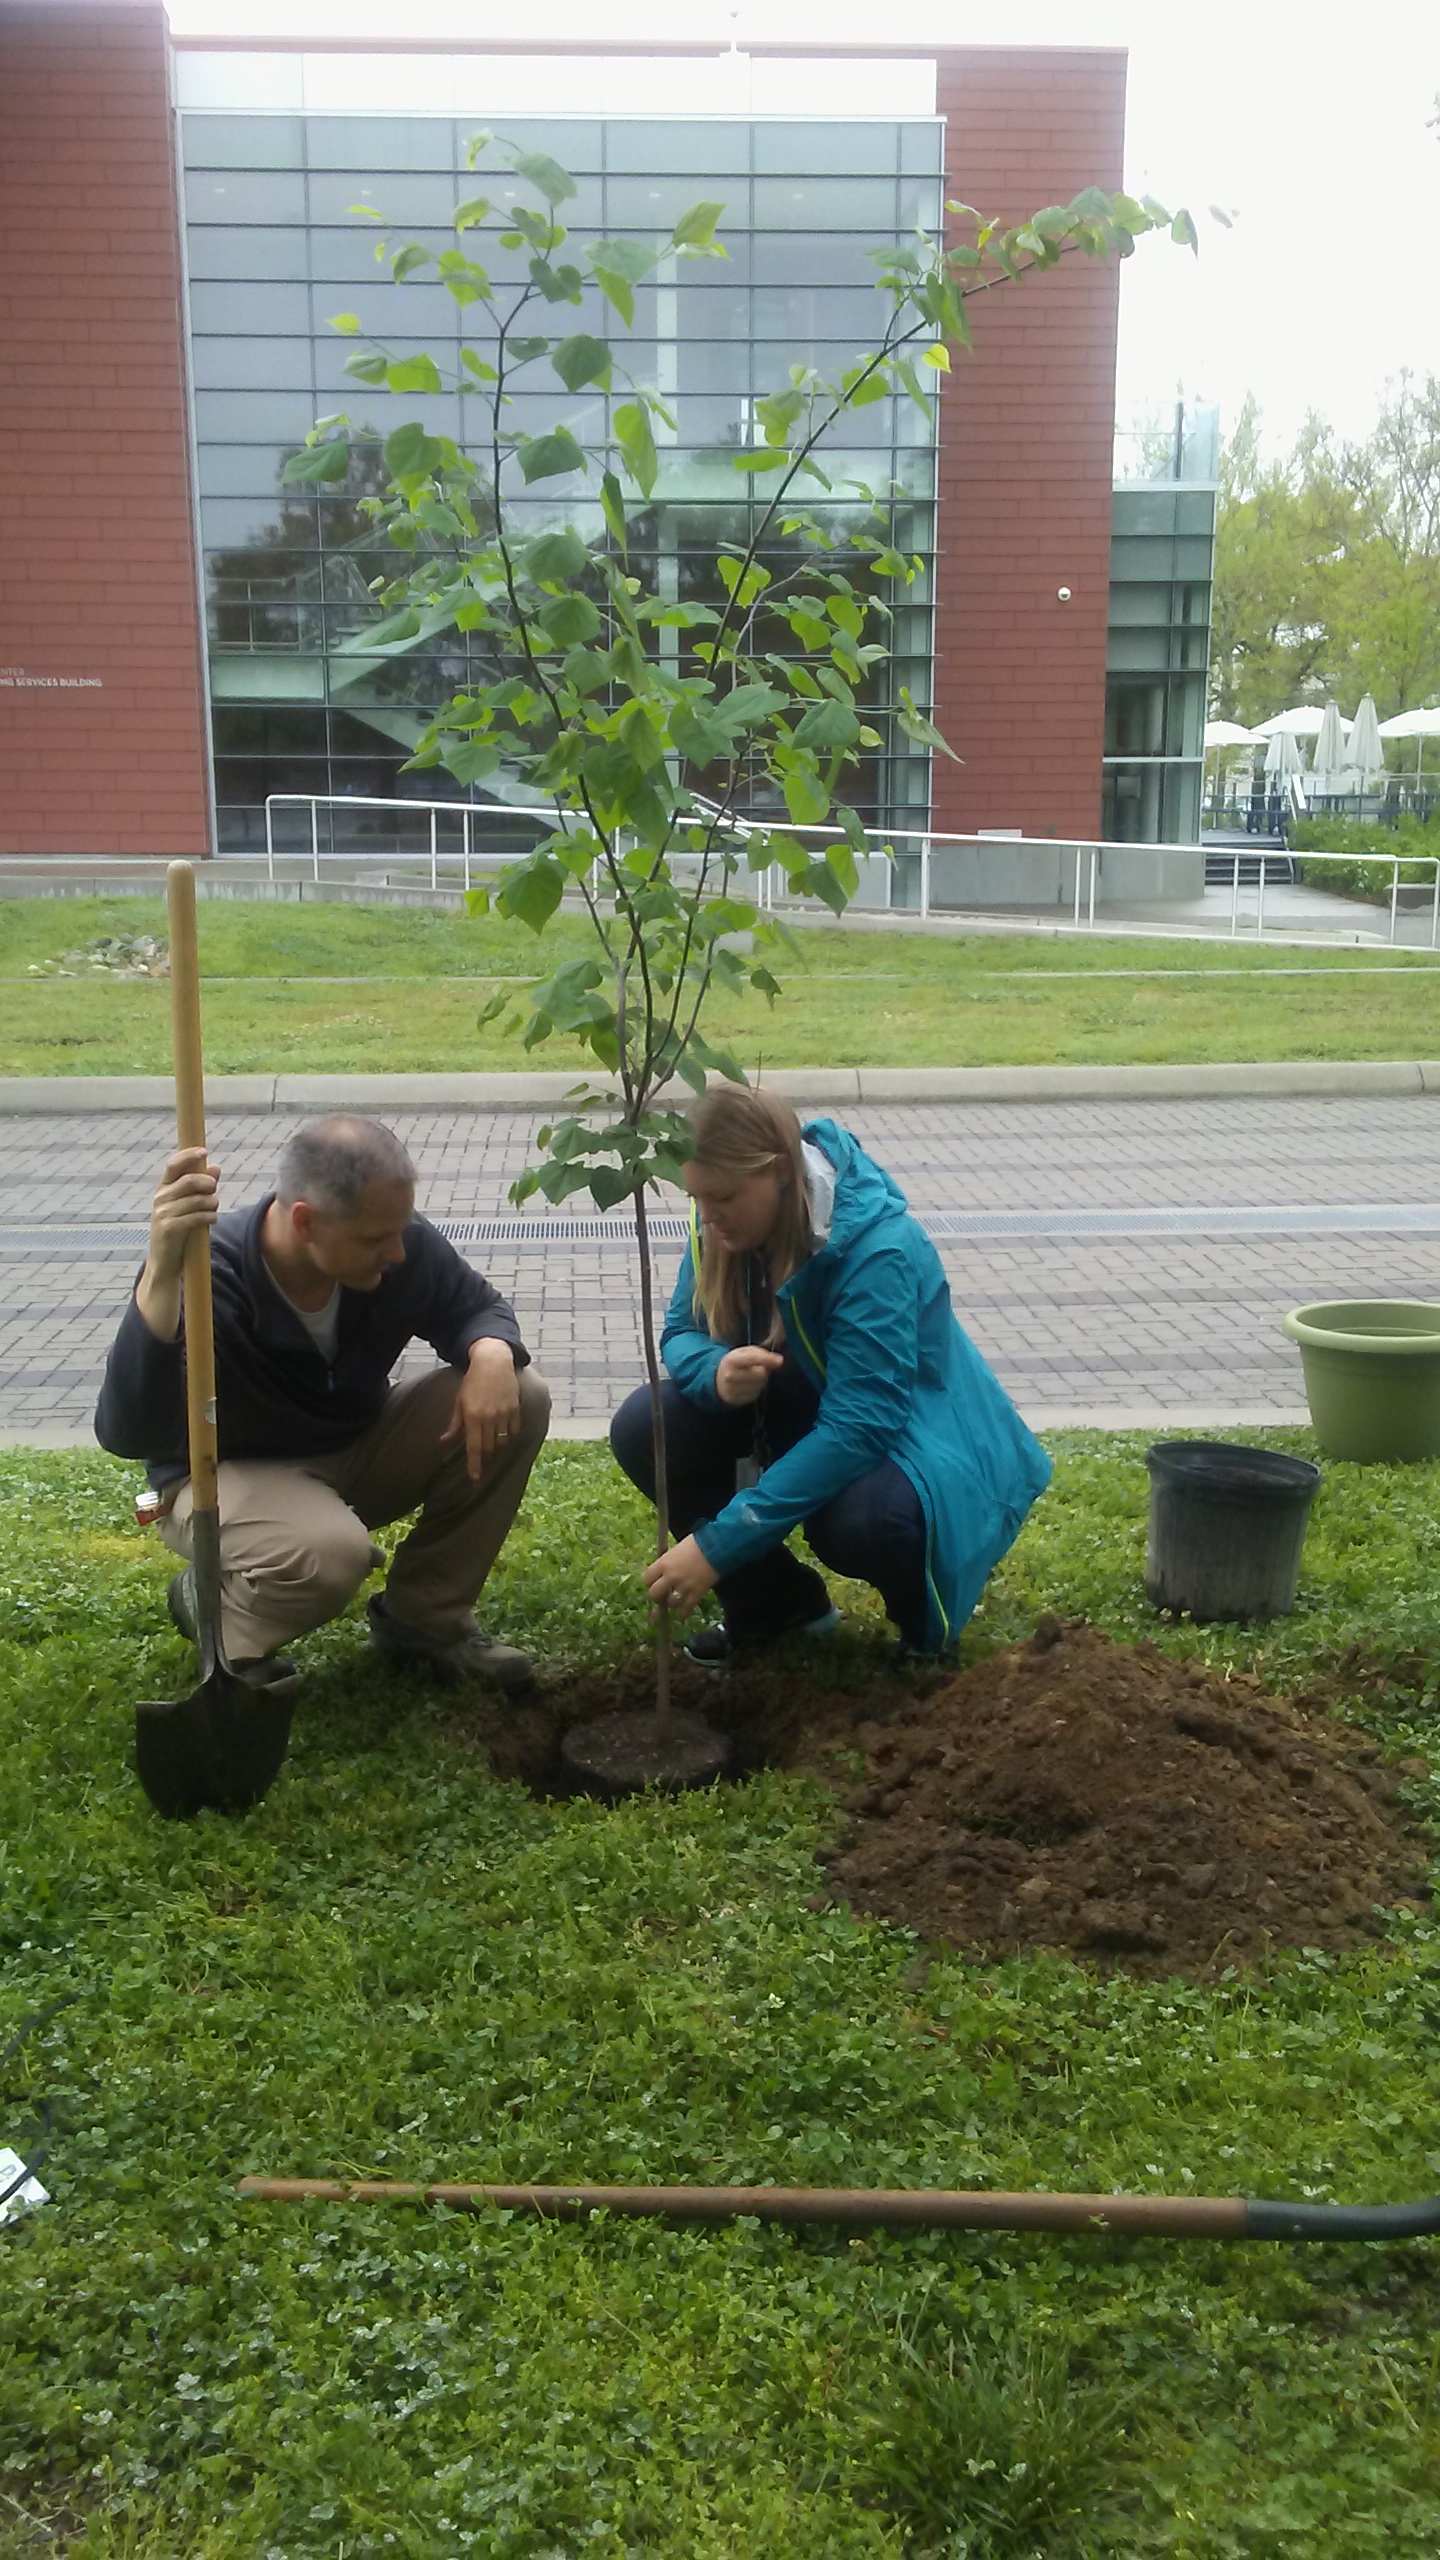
(318, 1288)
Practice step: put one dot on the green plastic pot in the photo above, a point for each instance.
(1372, 1376)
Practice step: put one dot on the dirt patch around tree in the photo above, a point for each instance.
(1141, 1812)
(1101, 1799)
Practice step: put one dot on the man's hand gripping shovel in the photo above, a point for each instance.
(222, 1747)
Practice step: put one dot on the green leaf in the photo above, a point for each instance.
(492, 1011)
(545, 175)
(923, 731)
(841, 862)
(322, 462)
(582, 359)
(473, 210)
(570, 619)
(414, 373)
(806, 797)
(366, 366)
(696, 228)
(469, 759)
(532, 891)
(1183, 230)
(826, 726)
(477, 365)
(408, 259)
(554, 557)
(700, 735)
(612, 505)
(765, 460)
(637, 444)
(618, 266)
(346, 323)
(546, 457)
(411, 450)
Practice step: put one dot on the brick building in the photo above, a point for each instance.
(180, 227)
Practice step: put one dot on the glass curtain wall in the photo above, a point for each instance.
(1162, 567)
(275, 248)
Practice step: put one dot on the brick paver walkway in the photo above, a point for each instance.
(1116, 1327)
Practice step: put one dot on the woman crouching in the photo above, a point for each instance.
(818, 1376)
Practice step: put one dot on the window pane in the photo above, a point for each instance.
(572, 140)
(656, 203)
(922, 147)
(835, 204)
(804, 258)
(416, 312)
(238, 417)
(243, 523)
(246, 363)
(380, 142)
(781, 146)
(348, 256)
(245, 195)
(401, 200)
(264, 310)
(920, 207)
(807, 315)
(269, 730)
(255, 253)
(689, 143)
(243, 142)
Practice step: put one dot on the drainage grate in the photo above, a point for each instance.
(947, 1226)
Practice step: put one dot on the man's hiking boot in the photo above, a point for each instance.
(713, 1647)
(450, 1661)
(259, 1671)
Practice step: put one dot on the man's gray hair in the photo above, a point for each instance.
(330, 1162)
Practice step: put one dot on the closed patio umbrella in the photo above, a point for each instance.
(1366, 751)
(1282, 757)
(1329, 760)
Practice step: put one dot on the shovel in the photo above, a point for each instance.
(222, 1747)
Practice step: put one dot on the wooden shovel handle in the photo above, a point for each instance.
(190, 1132)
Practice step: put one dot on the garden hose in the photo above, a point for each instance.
(892, 2209)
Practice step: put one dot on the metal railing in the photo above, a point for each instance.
(464, 861)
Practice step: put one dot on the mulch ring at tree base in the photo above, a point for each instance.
(1141, 1812)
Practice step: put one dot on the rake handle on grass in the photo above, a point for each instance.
(199, 1303)
(893, 2209)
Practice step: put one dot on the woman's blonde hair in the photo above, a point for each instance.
(740, 1130)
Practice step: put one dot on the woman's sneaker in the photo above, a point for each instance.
(713, 1647)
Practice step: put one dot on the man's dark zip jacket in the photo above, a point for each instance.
(275, 1395)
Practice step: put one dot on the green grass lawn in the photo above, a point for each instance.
(400, 1964)
(336, 987)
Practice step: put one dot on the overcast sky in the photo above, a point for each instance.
(1313, 125)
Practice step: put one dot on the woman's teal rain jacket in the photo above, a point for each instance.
(869, 1320)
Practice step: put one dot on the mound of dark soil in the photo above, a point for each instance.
(1141, 1812)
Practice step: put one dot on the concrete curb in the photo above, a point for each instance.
(1041, 1417)
(812, 1085)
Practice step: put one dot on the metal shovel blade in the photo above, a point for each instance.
(219, 1750)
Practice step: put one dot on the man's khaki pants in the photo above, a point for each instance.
(295, 1541)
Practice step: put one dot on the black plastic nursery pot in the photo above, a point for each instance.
(1227, 1526)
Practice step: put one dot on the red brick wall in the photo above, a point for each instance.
(98, 559)
(1026, 457)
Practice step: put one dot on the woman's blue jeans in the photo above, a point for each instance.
(872, 1530)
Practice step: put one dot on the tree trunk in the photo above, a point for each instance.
(664, 1709)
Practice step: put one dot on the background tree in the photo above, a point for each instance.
(684, 746)
(1327, 564)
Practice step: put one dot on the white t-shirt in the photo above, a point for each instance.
(322, 1324)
